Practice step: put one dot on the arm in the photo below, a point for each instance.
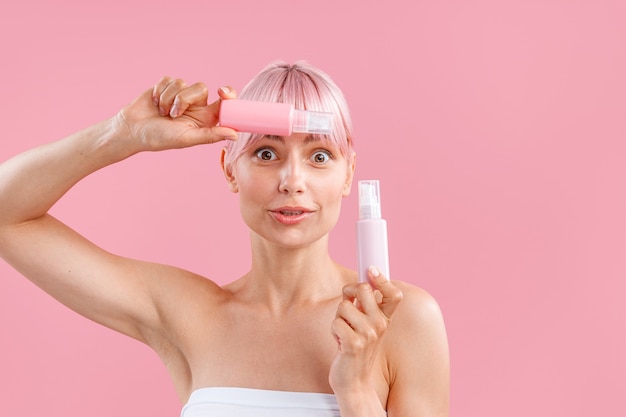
(419, 362)
(401, 327)
(120, 293)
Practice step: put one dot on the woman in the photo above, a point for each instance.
(297, 335)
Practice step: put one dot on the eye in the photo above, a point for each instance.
(265, 154)
(321, 157)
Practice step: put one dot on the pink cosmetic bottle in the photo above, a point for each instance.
(371, 231)
(267, 118)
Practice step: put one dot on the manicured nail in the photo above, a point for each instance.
(374, 271)
(225, 90)
(174, 111)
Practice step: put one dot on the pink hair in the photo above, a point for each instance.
(306, 88)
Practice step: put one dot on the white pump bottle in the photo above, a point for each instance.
(371, 231)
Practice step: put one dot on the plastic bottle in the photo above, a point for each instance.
(371, 230)
(268, 118)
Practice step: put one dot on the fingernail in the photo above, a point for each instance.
(374, 271)
(174, 111)
(225, 90)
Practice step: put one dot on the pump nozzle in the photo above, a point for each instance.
(369, 199)
(306, 121)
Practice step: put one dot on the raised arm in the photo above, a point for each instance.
(114, 291)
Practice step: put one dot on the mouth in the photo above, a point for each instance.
(291, 212)
(290, 215)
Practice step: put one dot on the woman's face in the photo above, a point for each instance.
(291, 188)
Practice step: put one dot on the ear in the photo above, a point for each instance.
(228, 172)
(351, 167)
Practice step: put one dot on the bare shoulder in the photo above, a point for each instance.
(418, 323)
(417, 309)
(417, 356)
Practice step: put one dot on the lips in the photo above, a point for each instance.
(291, 212)
(290, 215)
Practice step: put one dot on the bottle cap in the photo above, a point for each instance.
(305, 121)
(369, 199)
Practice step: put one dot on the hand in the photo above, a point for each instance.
(173, 115)
(361, 322)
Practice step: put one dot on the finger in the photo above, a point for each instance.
(357, 292)
(391, 295)
(227, 92)
(224, 93)
(196, 94)
(168, 94)
(213, 134)
(366, 298)
(158, 89)
(359, 330)
(353, 316)
(369, 302)
(350, 291)
(342, 332)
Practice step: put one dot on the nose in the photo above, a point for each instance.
(292, 177)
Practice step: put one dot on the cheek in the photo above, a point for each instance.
(255, 190)
(336, 181)
(250, 201)
(333, 194)
(252, 191)
(250, 180)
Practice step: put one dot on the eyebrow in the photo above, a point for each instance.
(308, 139)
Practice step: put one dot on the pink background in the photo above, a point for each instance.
(497, 129)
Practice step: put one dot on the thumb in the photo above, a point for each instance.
(391, 295)
(227, 92)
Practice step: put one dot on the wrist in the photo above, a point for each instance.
(117, 137)
(108, 142)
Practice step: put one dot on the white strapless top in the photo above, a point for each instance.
(248, 402)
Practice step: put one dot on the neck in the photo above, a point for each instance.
(286, 277)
